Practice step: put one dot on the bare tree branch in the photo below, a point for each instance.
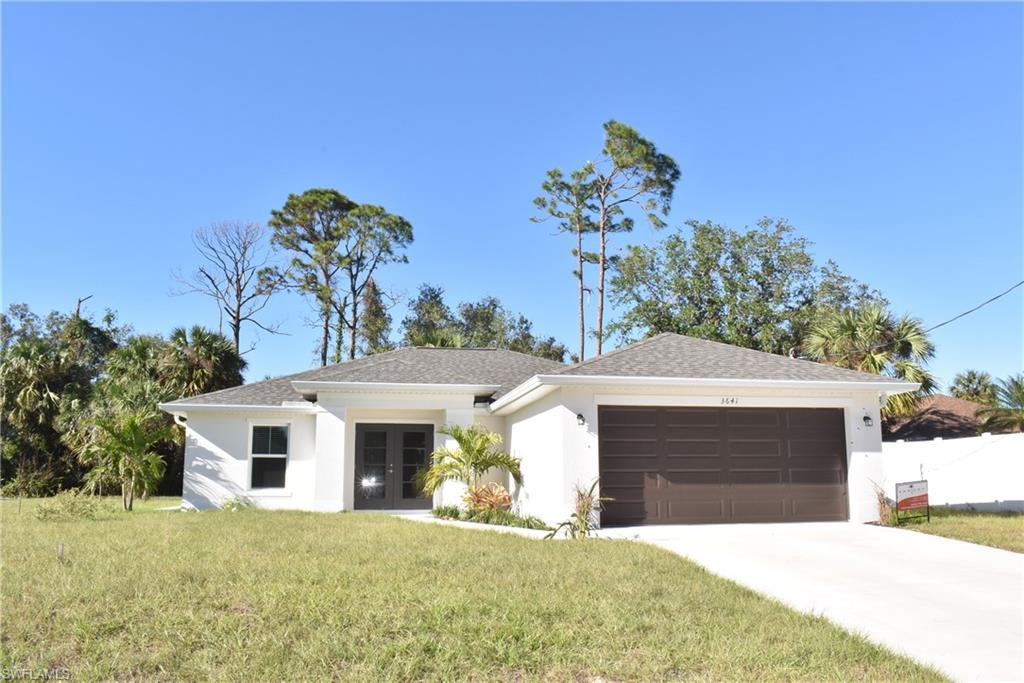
(236, 258)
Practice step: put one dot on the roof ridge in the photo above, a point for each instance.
(627, 347)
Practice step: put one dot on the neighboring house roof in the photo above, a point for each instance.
(411, 365)
(667, 356)
(938, 416)
(676, 355)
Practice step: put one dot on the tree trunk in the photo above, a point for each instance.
(236, 326)
(579, 275)
(600, 281)
(325, 338)
(353, 327)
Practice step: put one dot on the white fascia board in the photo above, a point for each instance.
(315, 387)
(185, 408)
(521, 392)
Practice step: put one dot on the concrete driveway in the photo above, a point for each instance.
(954, 605)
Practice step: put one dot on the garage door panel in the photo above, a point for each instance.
(627, 513)
(814, 419)
(632, 417)
(681, 511)
(739, 418)
(752, 476)
(691, 418)
(700, 477)
(825, 509)
(820, 447)
(707, 465)
(758, 510)
(753, 448)
(675, 448)
(829, 477)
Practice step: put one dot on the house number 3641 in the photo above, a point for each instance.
(729, 400)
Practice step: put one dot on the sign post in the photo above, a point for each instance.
(912, 496)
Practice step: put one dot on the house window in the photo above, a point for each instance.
(269, 456)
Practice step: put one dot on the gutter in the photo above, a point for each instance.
(547, 383)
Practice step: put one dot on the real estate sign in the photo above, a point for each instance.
(912, 495)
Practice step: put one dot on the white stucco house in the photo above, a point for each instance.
(677, 429)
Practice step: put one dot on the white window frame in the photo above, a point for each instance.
(251, 425)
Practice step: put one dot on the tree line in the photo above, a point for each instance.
(80, 394)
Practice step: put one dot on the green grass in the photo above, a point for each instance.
(301, 596)
(997, 529)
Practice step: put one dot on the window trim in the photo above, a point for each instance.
(266, 490)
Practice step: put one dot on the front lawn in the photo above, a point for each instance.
(302, 596)
(998, 529)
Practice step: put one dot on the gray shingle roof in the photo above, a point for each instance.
(414, 365)
(664, 355)
(676, 355)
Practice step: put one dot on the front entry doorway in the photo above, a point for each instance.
(388, 456)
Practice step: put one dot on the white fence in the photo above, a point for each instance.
(982, 472)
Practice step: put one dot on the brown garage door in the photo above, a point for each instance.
(706, 465)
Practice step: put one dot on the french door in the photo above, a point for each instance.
(388, 456)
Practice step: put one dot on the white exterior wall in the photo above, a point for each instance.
(217, 461)
(536, 435)
(320, 472)
(981, 472)
(558, 454)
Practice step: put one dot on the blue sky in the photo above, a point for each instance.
(889, 134)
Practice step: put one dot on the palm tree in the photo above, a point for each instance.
(199, 360)
(1007, 415)
(870, 339)
(974, 385)
(123, 450)
(441, 337)
(476, 453)
(31, 372)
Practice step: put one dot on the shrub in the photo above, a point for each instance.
(498, 516)
(487, 497)
(29, 482)
(583, 519)
(886, 511)
(447, 512)
(235, 505)
(67, 506)
(505, 518)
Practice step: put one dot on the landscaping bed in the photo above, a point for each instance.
(254, 595)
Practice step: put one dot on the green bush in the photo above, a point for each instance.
(489, 516)
(29, 483)
(447, 512)
(67, 506)
(236, 505)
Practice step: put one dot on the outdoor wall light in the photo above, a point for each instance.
(580, 420)
(868, 421)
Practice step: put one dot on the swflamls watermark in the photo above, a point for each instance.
(25, 673)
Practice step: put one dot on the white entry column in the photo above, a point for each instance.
(452, 492)
(332, 476)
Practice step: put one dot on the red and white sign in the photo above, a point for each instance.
(911, 495)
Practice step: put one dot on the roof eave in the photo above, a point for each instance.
(317, 386)
(175, 408)
(521, 394)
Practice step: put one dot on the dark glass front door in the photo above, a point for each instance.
(387, 460)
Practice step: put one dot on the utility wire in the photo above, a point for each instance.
(981, 305)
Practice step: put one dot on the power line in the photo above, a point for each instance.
(981, 305)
